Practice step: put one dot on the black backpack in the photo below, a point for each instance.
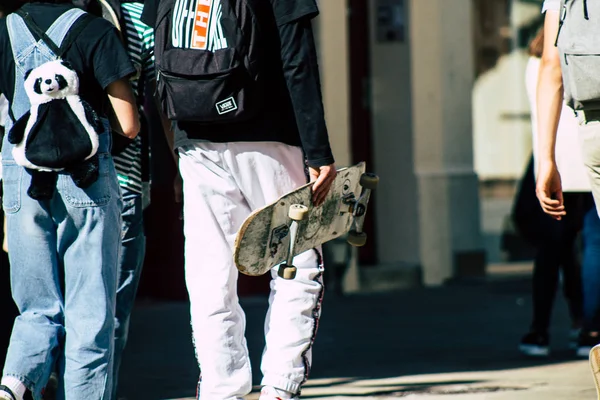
(208, 60)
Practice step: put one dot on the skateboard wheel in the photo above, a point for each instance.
(357, 239)
(287, 271)
(369, 181)
(298, 212)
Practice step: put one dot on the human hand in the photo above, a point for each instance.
(323, 178)
(549, 190)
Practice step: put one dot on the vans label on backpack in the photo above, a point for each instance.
(227, 105)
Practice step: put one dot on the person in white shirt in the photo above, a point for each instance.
(555, 242)
(549, 186)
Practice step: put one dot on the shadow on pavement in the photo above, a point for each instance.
(460, 327)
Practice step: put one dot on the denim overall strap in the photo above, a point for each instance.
(59, 29)
(29, 53)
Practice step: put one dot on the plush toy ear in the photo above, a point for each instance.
(66, 64)
(27, 74)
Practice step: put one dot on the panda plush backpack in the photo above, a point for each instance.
(60, 131)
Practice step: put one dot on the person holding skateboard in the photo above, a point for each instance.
(231, 169)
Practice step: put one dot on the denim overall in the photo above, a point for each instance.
(74, 237)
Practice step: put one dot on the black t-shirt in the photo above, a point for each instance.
(293, 113)
(97, 55)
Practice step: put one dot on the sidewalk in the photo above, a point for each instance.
(455, 342)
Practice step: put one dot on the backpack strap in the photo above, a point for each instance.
(68, 26)
(72, 21)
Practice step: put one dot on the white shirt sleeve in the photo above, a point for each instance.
(552, 5)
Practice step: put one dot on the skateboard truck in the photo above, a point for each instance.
(356, 236)
(297, 213)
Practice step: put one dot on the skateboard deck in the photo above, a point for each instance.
(264, 239)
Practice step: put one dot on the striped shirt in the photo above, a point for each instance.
(140, 46)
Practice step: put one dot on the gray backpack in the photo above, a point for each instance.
(578, 42)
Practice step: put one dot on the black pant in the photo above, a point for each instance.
(556, 253)
(554, 242)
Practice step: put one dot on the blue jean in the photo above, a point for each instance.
(133, 248)
(591, 271)
(63, 263)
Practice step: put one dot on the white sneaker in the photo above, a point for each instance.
(6, 393)
(271, 393)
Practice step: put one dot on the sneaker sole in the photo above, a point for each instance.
(595, 366)
(534, 351)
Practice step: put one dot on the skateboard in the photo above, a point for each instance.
(595, 366)
(275, 233)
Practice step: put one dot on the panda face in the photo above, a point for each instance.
(50, 84)
(50, 81)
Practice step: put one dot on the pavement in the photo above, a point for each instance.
(454, 342)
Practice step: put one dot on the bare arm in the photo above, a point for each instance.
(549, 90)
(170, 137)
(125, 120)
(549, 106)
(166, 123)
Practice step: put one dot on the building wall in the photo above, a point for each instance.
(396, 198)
(421, 103)
(442, 62)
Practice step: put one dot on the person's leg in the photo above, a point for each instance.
(573, 292)
(266, 171)
(291, 324)
(38, 330)
(572, 283)
(544, 285)
(214, 209)
(544, 282)
(591, 282)
(4, 240)
(89, 232)
(133, 247)
(589, 137)
(569, 261)
(591, 271)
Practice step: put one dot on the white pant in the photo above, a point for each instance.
(222, 184)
